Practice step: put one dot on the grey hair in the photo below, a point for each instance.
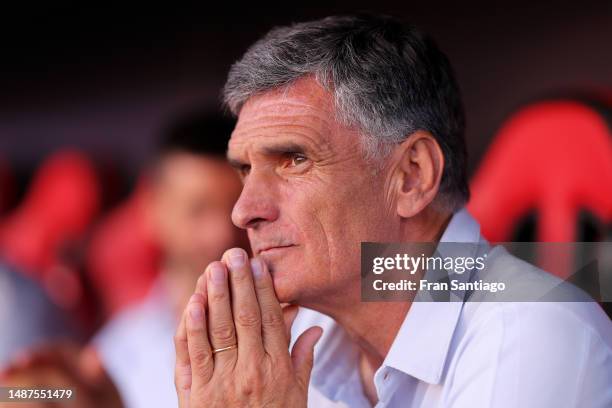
(388, 80)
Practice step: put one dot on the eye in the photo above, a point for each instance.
(244, 171)
(297, 159)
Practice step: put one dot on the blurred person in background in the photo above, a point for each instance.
(187, 204)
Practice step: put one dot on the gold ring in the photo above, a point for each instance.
(224, 348)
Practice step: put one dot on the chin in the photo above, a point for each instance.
(284, 278)
(284, 287)
(284, 293)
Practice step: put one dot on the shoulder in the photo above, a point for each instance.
(537, 320)
(137, 352)
(145, 322)
(533, 351)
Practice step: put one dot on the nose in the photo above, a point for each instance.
(257, 204)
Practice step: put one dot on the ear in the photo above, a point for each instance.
(420, 163)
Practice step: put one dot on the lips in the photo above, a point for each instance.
(271, 248)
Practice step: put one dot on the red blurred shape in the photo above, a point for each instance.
(554, 157)
(123, 257)
(59, 206)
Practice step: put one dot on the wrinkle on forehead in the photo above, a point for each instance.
(305, 91)
(303, 108)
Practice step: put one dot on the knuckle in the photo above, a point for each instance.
(179, 340)
(182, 376)
(247, 317)
(271, 318)
(223, 332)
(240, 277)
(194, 331)
(219, 296)
(180, 384)
(201, 359)
(264, 286)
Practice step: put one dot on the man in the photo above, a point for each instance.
(350, 130)
(187, 205)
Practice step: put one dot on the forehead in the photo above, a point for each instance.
(304, 109)
(180, 171)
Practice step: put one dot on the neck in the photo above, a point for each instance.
(179, 281)
(374, 325)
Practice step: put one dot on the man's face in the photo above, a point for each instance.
(309, 197)
(192, 201)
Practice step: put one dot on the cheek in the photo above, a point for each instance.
(214, 235)
(352, 215)
(331, 220)
(174, 233)
(336, 243)
(325, 226)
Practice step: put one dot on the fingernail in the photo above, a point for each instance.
(217, 273)
(236, 258)
(195, 311)
(257, 267)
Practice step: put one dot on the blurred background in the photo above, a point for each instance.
(85, 96)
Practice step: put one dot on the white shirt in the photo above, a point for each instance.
(473, 354)
(137, 351)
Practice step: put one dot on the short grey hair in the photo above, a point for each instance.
(388, 79)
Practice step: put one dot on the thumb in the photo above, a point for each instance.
(289, 314)
(302, 354)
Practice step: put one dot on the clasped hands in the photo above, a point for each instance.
(232, 343)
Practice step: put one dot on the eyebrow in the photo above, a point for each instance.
(284, 147)
(275, 149)
(235, 163)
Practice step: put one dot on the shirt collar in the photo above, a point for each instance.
(421, 346)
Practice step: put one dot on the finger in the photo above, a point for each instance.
(289, 314)
(182, 367)
(245, 307)
(200, 352)
(201, 286)
(302, 354)
(272, 323)
(221, 330)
